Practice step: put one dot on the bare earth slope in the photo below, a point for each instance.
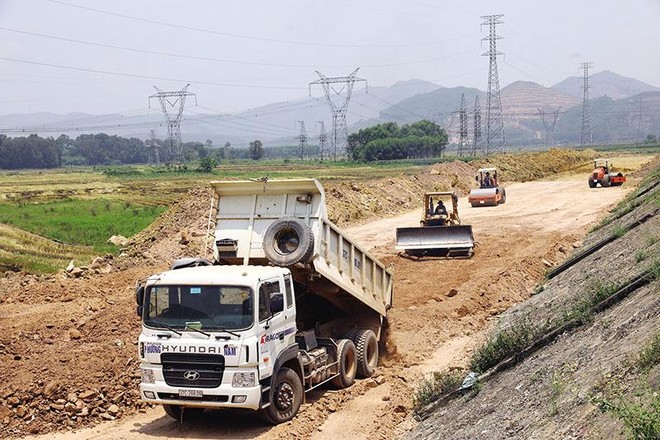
(68, 344)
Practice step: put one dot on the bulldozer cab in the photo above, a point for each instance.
(440, 209)
(487, 178)
(440, 232)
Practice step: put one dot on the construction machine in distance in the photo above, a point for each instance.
(440, 232)
(489, 193)
(604, 175)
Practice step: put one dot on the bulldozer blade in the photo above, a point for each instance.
(436, 240)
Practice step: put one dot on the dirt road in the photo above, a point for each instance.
(442, 309)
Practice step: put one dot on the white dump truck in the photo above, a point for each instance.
(288, 303)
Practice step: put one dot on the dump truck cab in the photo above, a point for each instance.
(211, 334)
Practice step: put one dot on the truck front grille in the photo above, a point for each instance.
(174, 396)
(193, 370)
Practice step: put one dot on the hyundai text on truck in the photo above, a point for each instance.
(287, 303)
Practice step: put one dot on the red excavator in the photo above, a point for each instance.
(604, 175)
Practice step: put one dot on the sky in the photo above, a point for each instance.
(98, 56)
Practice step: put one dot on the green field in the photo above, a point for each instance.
(48, 217)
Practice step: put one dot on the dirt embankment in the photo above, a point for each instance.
(554, 393)
(67, 342)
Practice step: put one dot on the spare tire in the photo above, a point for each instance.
(288, 241)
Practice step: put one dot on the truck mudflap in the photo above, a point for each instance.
(451, 241)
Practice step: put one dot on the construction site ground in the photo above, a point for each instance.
(68, 344)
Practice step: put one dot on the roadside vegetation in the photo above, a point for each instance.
(80, 222)
(509, 345)
(637, 408)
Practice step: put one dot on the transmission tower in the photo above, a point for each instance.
(154, 147)
(639, 117)
(302, 139)
(586, 137)
(338, 100)
(323, 138)
(172, 104)
(463, 127)
(495, 137)
(476, 140)
(549, 126)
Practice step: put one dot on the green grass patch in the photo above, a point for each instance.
(650, 355)
(435, 386)
(80, 222)
(503, 345)
(640, 414)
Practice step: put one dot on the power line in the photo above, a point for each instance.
(245, 37)
(221, 60)
(135, 75)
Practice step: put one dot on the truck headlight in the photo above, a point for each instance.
(148, 375)
(243, 380)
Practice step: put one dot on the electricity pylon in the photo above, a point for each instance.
(302, 139)
(338, 105)
(463, 127)
(323, 139)
(495, 137)
(586, 136)
(476, 137)
(173, 101)
(549, 126)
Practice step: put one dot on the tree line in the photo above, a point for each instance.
(388, 141)
(34, 151)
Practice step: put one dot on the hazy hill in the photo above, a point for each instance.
(523, 99)
(272, 122)
(605, 83)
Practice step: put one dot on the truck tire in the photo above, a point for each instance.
(503, 199)
(286, 397)
(183, 413)
(366, 348)
(592, 184)
(288, 241)
(347, 368)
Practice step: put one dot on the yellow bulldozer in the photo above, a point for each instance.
(440, 232)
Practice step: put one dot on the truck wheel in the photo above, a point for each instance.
(347, 368)
(286, 397)
(592, 184)
(288, 241)
(183, 413)
(366, 347)
(503, 199)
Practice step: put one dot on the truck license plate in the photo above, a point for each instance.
(190, 393)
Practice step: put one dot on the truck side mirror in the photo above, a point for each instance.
(139, 295)
(476, 178)
(276, 303)
(138, 310)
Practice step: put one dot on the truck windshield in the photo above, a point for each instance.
(199, 307)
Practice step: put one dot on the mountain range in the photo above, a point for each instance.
(623, 109)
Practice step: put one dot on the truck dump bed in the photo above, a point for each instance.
(246, 213)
